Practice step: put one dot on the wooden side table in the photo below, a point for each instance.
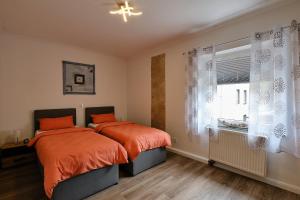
(16, 154)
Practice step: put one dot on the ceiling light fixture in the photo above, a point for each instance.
(125, 10)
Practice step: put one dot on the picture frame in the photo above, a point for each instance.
(78, 78)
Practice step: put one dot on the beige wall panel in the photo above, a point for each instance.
(158, 96)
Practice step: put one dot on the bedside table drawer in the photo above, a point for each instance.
(17, 160)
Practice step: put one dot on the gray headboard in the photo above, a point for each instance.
(51, 113)
(96, 110)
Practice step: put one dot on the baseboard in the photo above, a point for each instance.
(188, 155)
(270, 181)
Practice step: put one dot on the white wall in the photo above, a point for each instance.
(282, 168)
(31, 78)
(227, 99)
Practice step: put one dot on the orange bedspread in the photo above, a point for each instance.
(65, 153)
(135, 138)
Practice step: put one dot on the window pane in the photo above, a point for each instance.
(233, 74)
(238, 96)
(245, 96)
(228, 106)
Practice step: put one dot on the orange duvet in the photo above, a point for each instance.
(135, 138)
(65, 153)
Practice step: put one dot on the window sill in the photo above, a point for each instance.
(232, 130)
(237, 131)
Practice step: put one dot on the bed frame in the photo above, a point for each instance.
(84, 185)
(145, 160)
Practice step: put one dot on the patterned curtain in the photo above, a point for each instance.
(274, 83)
(201, 91)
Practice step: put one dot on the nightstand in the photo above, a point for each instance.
(16, 154)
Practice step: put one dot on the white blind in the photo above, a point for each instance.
(233, 68)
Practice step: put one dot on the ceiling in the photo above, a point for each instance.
(87, 23)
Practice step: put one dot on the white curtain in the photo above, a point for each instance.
(274, 86)
(201, 92)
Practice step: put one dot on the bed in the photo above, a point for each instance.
(82, 185)
(144, 160)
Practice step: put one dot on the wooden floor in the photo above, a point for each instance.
(179, 178)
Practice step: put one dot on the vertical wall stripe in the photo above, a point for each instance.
(158, 90)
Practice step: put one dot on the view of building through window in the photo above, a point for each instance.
(233, 74)
(233, 101)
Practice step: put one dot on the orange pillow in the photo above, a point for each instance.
(56, 123)
(100, 118)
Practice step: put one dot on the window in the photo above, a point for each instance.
(245, 96)
(238, 96)
(233, 74)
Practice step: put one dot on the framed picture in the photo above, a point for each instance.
(78, 78)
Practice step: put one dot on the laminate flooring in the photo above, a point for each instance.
(178, 178)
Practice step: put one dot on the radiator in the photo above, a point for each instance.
(231, 148)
